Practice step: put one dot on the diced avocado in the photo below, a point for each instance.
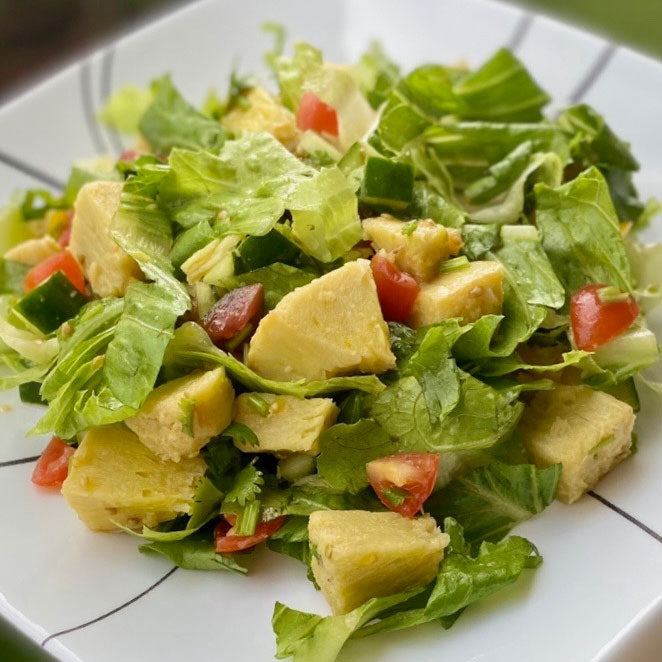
(213, 263)
(467, 293)
(114, 478)
(107, 267)
(292, 425)
(358, 555)
(332, 326)
(33, 251)
(418, 252)
(588, 432)
(259, 111)
(181, 416)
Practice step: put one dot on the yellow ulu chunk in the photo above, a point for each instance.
(360, 555)
(181, 416)
(114, 478)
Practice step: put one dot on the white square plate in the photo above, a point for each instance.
(91, 597)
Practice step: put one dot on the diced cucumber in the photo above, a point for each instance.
(256, 252)
(387, 184)
(29, 392)
(190, 241)
(52, 303)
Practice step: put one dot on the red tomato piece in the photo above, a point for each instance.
(396, 289)
(129, 155)
(404, 481)
(595, 323)
(64, 262)
(227, 542)
(316, 115)
(53, 465)
(234, 312)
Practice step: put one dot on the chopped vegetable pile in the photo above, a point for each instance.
(374, 321)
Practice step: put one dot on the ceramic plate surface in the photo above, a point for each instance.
(92, 597)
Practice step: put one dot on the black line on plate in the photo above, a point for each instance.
(594, 72)
(521, 29)
(112, 611)
(106, 89)
(22, 460)
(27, 169)
(88, 108)
(627, 516)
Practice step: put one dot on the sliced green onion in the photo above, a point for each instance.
(395, 496)
(258, 403)
(461, 262)
(247, 519)
(611, 294)
(239, 338)
(187, 407)
(519, 232)
(409, 228)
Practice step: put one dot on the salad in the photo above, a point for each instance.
(371, 320)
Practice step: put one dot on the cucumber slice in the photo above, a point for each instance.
(191, 241)
(29, 392)
(387, 184)
(54, 302)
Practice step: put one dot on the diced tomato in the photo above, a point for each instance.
(64, 262)
(595, 323)
(396, 289)
(234, 312)
(227, 542)
(316, 115)
(53, 465)
(404, 481)
(129, 155)
(65, 235)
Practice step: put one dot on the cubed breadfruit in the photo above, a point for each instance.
(467, 293)
(332, 326)
(292, 425)
(33, 251)
(419, 252)
(114, 478)
(262, 112)
(106, 266)
(358, 555)
(181, 416)
(588, 432)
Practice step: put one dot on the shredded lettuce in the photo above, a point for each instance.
(169, 121)
(125, 107)
(580, 233)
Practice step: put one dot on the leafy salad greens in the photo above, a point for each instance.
(373, 319)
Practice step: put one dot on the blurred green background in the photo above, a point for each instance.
(637, 23)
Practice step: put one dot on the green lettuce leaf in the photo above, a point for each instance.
(580, 233)
(125, 107)
(489, 501)
(314, 493)
(346, 449)
(169, 121)
(310, 638)
(191, 348)
(376, 74)
(325, 217)
(12, 276)
(462, 581)
(195, 552)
